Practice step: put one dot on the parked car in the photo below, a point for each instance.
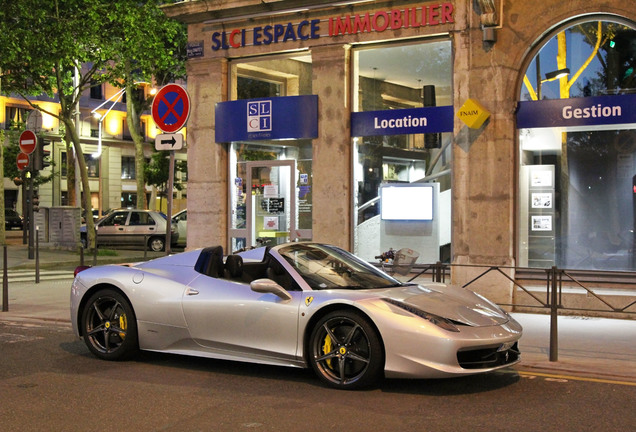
(12, 219)
(132, 227)
(306, 305)
(181, 219)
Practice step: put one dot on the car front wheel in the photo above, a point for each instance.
(109, 326)
(346, 351)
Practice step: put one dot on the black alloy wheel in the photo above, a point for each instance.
(109, 326)
(345, 351)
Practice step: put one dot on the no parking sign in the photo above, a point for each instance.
(171, 108)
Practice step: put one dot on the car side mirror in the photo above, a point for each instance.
(268, 286)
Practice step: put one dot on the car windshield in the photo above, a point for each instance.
(328, 267)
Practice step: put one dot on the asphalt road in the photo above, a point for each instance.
(49, 381)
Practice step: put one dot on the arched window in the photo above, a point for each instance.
(577, 143)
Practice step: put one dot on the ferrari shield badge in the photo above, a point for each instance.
(308, 300)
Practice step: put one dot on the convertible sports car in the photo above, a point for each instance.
(297, 304)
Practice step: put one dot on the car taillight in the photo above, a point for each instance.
(79, 269)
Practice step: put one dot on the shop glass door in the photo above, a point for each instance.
(271, 208)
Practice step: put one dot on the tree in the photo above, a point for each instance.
(76, 33)
(157, 172)
(60, 48)
(151, 47)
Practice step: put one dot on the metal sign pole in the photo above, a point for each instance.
(170, 194)
(30, 214)
(5, 281)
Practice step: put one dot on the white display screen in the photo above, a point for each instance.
(407, 202)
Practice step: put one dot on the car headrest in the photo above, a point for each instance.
(234, 265)
(276, 267)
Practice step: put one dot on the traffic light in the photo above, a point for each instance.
(36, 201)
(42, 156)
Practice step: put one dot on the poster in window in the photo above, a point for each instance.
(270, 191)
(542, 200)
(541, 178)
(270, 223)
(541, 223)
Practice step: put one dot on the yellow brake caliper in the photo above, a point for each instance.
(327, 348)
(123, 324)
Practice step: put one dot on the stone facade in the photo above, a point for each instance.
(485, 161)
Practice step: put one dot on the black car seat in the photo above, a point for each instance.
(277, 273)
(233, 268)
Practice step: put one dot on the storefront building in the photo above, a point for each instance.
(473, 132)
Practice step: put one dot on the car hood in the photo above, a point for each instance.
(450, 302)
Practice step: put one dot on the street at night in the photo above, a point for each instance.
(50, 381)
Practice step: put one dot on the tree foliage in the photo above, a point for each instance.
(114, 41)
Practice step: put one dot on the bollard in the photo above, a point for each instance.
(145, 247)
(37, 254)
(95, 254)
(438, 272)
(5, 282)
(81, 253)
(554, 333)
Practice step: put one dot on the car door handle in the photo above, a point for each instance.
(192, 291)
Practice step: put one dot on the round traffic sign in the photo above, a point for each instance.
(22, 161)
(27, 141)
(171, 108)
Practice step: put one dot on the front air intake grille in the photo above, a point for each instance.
(486, 358)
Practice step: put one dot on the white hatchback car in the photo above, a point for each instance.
(133, 227)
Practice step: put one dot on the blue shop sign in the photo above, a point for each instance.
(402, 121)
(589, 111)
(287, 117)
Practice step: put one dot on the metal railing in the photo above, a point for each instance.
(555, 281)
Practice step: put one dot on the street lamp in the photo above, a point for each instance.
(113, 99)
(551, 76)
(100, 119)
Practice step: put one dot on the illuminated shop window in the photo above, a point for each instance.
(257, 78)
(576, 195)
(399, 77)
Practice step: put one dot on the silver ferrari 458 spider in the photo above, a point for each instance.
(305, 305)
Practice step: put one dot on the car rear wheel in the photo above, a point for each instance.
(109, 326)
(156, 244)
(346, 351)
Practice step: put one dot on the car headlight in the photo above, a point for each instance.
(439, 321)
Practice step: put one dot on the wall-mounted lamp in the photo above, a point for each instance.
(489, 35)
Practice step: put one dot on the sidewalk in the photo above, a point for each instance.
(63, 259)
(589, 347)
